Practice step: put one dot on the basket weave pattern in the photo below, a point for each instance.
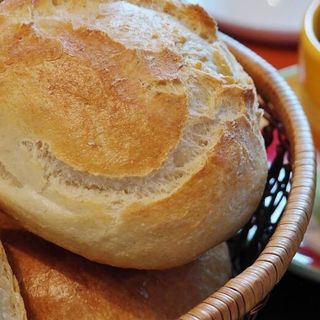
(243, 294)
(249, 242)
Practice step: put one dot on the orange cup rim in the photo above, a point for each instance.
(312, 12)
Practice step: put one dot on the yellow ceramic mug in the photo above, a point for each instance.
(309, 71)
(310, 53)
(309, 68)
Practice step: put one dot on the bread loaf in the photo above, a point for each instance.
(57, 284)
(128, 132)
(11, 302)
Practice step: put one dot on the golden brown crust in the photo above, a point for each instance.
(196, 226)
(57, 284)
(101, 103)
(134, 133)
(196, 18)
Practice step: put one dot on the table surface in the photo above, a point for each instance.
(279, 57)
(294, 297)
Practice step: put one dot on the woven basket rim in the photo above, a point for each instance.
(249, 288)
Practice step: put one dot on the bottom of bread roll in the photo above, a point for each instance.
(56, 284)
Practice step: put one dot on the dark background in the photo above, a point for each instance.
(293, 298)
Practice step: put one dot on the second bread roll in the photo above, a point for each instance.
(58, 285)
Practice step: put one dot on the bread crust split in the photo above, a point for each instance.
(128, 132)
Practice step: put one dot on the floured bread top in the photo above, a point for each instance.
(122, 98)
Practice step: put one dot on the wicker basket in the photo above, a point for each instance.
(263, 250)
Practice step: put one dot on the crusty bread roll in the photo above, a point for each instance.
(58, 285)
(11, 302)
(128, 132)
